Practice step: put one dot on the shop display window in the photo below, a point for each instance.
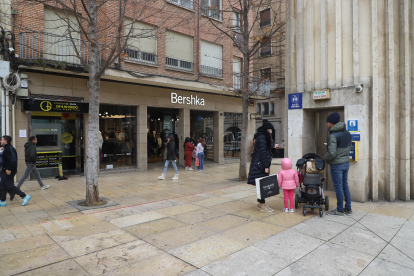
(117, 126)
(232, 134)
(202, 126)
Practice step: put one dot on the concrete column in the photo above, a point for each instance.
(355, 44)
(184, 131)
(218, 125)
(412, 98)
(338, 43)
(295, 133)
(405, 109)
(309, 66)
(375, 110)
(324, 63)
(142, 151)
(300, 68)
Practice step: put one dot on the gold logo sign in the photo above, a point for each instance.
(46, 105)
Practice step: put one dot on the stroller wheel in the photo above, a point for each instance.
(320, 213)
(304, 212)
(296, 201)
(326, 203)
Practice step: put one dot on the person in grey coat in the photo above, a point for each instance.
(30, 157)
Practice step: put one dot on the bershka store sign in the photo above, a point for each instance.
(186, 100)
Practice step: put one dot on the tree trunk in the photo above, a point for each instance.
(245, 92)
(92, 191)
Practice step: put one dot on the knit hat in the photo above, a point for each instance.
(333, 118)
(267, 125)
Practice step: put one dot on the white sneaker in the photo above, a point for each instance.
(44, 187)
(186, 168)
(162, 176)
(286, 210)
(190, 169)
(175, 177)
(292, 211)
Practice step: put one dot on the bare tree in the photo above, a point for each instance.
(98, 32)
(255, 35)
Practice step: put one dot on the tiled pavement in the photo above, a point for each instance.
(202, 224)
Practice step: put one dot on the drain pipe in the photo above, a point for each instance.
(3, 112)
(7, 113)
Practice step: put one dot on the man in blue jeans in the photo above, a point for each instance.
(339, 146)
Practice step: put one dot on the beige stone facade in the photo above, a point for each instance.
(334, 44)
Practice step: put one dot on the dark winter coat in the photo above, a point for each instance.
(261, 156)
(9, 159)
(171, 151)
(30, 154)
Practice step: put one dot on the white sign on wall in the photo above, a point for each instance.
(186, 100)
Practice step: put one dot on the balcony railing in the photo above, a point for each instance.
(35, 45)
(183, 3)
(262, 87)
(237, 81)
(179, 64)
(211, 12)
(211, 71)
(135, 55)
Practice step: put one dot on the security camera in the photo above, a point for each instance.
(358, 88)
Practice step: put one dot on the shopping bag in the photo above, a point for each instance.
(267, 186)
(197, 162)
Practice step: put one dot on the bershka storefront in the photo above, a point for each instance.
(59, 128)
(134, 121)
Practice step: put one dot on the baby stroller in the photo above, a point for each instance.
(310, 169)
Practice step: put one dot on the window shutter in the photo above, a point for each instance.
(211, 54)
(265, 18)
(142, 38)
(179, 46)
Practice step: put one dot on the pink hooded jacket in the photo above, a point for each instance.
(288, 178)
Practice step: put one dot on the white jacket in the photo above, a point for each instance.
(200, 148)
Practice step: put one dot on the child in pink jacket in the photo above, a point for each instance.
(288, 180)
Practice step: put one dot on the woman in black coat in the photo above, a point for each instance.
(261, 158)
(170, 158)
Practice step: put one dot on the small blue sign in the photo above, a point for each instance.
(355, 135)
(353, 124)
(295, 101)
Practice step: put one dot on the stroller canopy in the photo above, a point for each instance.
(319, 162)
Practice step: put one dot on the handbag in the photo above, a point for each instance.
(197, 162)
(267, 186)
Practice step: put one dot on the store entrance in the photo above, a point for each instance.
(202, 126)
(161, 122)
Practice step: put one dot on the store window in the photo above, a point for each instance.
(202, 126)
(232, 134)
(272, 108)
(265, 108)
(117, 126)
(60, 137)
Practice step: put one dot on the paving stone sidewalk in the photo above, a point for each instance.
(201, 224)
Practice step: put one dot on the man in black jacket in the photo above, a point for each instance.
(30, 157)
(8, 171)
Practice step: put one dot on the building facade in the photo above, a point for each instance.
(361, 53)
(179, 80)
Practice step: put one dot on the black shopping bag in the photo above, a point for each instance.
(267, 186)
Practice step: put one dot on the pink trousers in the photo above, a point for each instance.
(289, 196)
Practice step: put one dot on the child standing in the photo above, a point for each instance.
(288, 180)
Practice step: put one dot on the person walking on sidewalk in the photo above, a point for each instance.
(339, 146)
(188, 152)
(261, 159)
(200, 154)
(30, 157)
(8, 171)
(171, 158)
(288, 180)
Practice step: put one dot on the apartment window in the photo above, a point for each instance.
(211, 8)
(236, 20)
(266, 74)
(142, 42)
(237, 78)
(237, 39)
(179, 51)
(259, 108)
(265, 108)
(265, 18)
(183, 3)
(265, 47)
(272, 108)
(57, 44)
(211, 59)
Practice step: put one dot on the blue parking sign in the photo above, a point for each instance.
(295, 101)
(352, 124)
